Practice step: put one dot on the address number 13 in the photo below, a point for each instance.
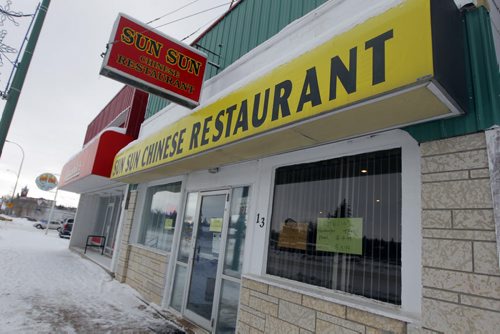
(261, 221)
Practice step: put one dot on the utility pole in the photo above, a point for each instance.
(20, 75)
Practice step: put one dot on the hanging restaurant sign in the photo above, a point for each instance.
(401, 67)
(142, 57)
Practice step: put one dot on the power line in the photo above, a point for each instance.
(174, 11)
(177, 20)
(194, 14)
(198, 29)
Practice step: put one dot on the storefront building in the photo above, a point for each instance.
(341, 174)
(88, 172)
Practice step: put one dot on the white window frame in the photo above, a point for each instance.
(141, 199)
(411, 238)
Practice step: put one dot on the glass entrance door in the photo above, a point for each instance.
(108, 220)
(112, 207)
(209, 261)
(212, 213)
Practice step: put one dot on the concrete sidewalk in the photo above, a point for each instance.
(47, 288)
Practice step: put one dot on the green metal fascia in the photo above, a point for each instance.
(483, 81)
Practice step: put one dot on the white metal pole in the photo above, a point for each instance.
(18, 172)
(51, 211)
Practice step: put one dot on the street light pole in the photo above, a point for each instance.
(20, 167)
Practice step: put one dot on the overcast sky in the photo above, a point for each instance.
(63, 90)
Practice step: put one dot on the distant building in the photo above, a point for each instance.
(39, 208)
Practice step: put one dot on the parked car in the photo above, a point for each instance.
(42, 224)
(65, 230)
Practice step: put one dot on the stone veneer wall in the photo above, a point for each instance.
(146, 273)
(138, 267)
(266, 308)
(461, 278)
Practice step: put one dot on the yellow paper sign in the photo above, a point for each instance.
(340, 235)
(216, 225)
(169, 223)
(293, 235)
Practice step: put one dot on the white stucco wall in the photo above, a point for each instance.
(84, 220)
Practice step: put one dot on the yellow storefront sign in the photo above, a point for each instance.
(368, 61)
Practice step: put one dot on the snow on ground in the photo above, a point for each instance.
(46, 288)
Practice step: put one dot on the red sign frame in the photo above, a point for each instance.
(145, 58)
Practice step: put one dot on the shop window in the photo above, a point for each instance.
(159, 216)
(235, 243)
(337, 224)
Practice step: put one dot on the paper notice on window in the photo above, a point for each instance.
(215, 225)
(169, 224)
(293, 235)
(340, 235)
